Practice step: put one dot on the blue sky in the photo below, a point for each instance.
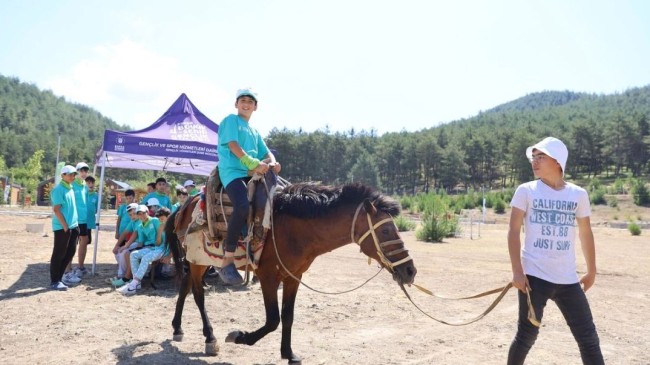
(386, 65)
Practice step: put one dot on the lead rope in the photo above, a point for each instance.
(532, 318)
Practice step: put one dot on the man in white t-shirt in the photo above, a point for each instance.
(550, 209)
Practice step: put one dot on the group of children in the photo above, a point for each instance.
(74, 204)
(140, 235)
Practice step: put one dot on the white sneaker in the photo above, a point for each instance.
(129, 289)
(80, 272)
(70, 278)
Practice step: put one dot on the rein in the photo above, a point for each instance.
(503, 290)
(371, 231)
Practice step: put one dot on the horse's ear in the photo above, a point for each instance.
(369, 207)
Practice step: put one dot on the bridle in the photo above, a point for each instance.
(379, 246)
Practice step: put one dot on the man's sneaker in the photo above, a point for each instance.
(70, 278)
(230, 275)
(81, 271)
(129, 289)
(58, 286)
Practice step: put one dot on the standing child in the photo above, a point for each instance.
(160, 194)
(240, 149)
(550, 208)
(91, 221)
(81, 198)
(181, 197)
(65, 225)
(123, 216)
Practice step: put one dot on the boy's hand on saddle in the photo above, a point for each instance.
(276, 167)
(262, 168)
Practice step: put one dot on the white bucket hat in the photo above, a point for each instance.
(188, 183)
(553, 148)
(153, 201)
(143, 209)
(132, 206)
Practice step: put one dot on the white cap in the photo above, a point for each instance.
(68, 169)
(188, 183)
(247, 92)
(81, 165)
(142, 208)
(153, 201)
(131, 206)
(553, 148)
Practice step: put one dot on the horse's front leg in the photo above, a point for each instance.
(196, 272)
(270, 286)
(289, 292)
(186, 285)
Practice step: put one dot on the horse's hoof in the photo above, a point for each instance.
(232, 336)
(211, 348)
(178, 338)
(293, 359)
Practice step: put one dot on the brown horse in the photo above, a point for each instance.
(308, 220)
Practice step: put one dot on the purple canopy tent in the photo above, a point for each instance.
(183, 140)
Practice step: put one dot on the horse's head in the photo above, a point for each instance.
(379, 238)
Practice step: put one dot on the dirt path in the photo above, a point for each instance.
(91, 324)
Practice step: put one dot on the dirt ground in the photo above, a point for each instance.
(92, 324)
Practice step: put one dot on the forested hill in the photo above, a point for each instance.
(541, 100)
(607, 136)
(32, 119)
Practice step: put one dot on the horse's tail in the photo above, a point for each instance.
(175, 245)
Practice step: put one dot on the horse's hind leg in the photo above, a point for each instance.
(196, 272)
(186, 285)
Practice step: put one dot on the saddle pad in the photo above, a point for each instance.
(200, 250)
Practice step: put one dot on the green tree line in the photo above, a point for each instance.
(607, 136)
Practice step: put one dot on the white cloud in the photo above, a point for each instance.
(132, 84)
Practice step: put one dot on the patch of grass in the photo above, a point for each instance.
(634, 229)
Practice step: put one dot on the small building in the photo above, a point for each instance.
(116, 191)
(43, 192)
(10, 191)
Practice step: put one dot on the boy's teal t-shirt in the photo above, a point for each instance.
(81, 196)
(148, 231)
(162, 198)
(125, 220)
(92, 209)
(234, 128)
(63, 195)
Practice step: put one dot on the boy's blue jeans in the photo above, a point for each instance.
(572, 302)
(238, 194)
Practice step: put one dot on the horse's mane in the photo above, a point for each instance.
(311, 200)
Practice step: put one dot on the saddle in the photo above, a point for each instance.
(218, 207)
(211, 218)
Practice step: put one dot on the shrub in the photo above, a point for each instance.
(640, 192)
(499, 207)
(406, 203)
(598, 196)
(634, 229)
(612, 202)
(404, 224)
(436, 226)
